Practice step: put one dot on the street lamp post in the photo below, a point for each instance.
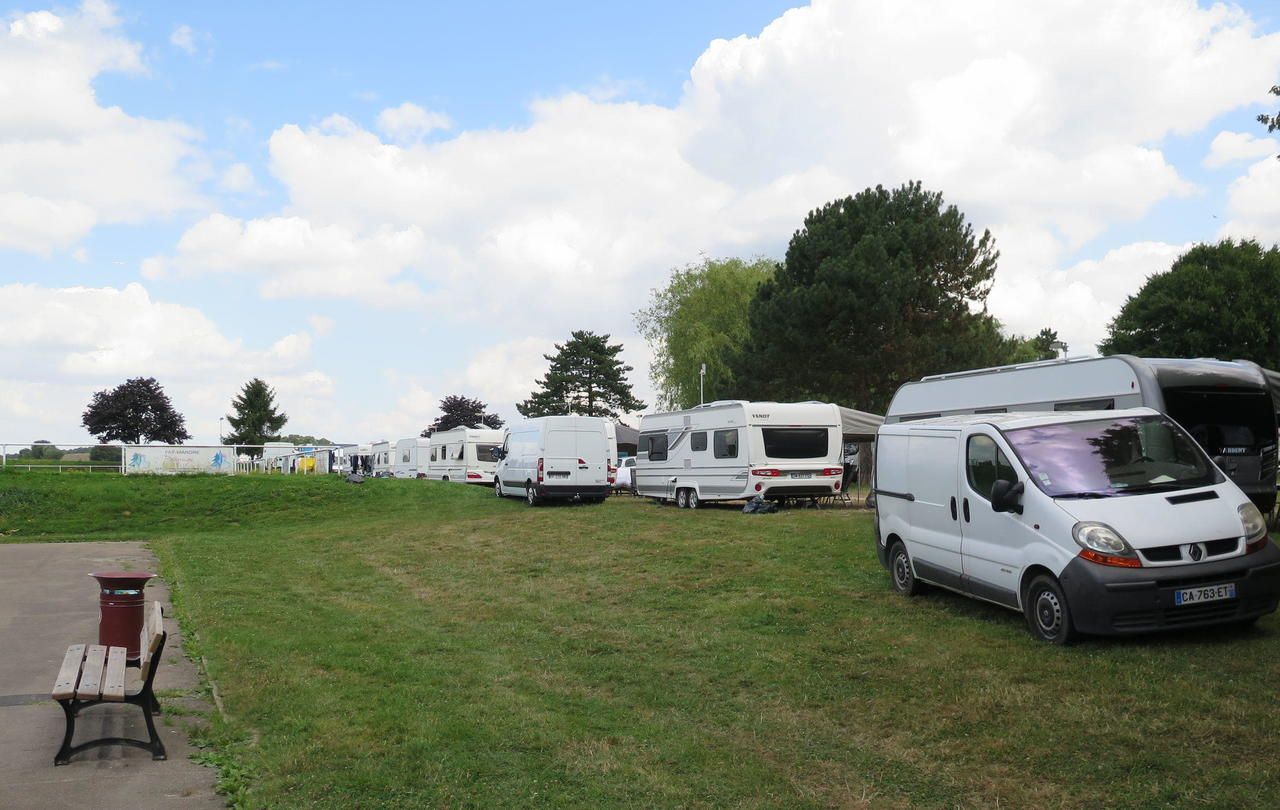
(702, 378)
(220, 418)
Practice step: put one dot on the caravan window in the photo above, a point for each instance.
(1086, 405)
(795, 442)
(726, 443)
(433, 454)
(698, 441)
(484, 452)
(404, 457)
(657, 445)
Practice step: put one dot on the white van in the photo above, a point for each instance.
(733, 449)
(1104, 522)
(554, 457)
(409, 459)
(464, 455)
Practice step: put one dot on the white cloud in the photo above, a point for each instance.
(564, 223)
(1253, 203)
(69, 162)
(183, 37)
(1232, 147)
(238, 179)
(321, 325)
(410, 123)
(268, 64)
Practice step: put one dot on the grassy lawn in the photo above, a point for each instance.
(413, 644)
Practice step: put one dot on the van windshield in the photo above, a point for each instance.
(795, 442)
(1109, 457)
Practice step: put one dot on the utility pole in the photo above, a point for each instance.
(702, 378)
(220, 418)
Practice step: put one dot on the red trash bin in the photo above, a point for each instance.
(122, 607)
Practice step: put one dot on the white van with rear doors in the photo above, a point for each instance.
(555, 457)
(464, 455)
(731, 450)
(1102, 522)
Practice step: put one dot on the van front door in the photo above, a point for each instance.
(992, 542)
(934, 544)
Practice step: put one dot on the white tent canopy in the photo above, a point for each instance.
(859, 426)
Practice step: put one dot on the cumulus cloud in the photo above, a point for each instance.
(183, 37)
(1233, 147)
(238, 179)
(69, 162)
(1253, 203)
(410, 123)
(575, 215)
(62, 344)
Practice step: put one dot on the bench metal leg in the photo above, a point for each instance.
(145, 700)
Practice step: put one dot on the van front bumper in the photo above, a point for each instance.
(1116, 601)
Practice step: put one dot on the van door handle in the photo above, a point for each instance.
(966, 510)
(953, 507)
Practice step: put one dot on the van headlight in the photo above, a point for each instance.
(1101, 538)
(1252, 523)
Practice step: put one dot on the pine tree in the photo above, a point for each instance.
(460, 411)
(135, 411)
(586, 378)
(256, 420)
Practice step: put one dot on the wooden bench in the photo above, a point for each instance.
(93, 674)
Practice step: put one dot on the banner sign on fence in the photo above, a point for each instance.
(169, 459)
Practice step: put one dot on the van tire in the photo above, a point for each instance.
(901, 576)
(497, 487)
(1047, 613)
(682, 498)
(692, 500)
(530, 494)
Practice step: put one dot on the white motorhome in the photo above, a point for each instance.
(1225, 406)
(382, 465)
(734, 449)
(1102, 522)
(464, 455)
(555, 457)
(409, 459)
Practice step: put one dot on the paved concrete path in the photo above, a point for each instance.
(48, 602)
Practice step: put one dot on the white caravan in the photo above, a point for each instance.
(555, 457)
(1104, 522)
(272, 453)
(464, 455)
(382, 466)
(410, 458)
(1225, 406)
(734, 449)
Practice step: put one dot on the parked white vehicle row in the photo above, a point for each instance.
(1105, 522)
(555, 457)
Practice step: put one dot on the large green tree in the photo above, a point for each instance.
(1218, 300)
(135, 411)
(586, 378)
(699, 317)
(876, 289)
(460, 411)
(256, 419)
(1271, 122)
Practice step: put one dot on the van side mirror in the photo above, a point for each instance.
(1005, 495)
(496, 454)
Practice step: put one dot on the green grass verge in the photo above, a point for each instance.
(411, 644)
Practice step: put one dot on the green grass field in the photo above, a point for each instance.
(413, 644)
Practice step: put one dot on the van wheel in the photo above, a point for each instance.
(692, 501)
(900, 573)
(1048, 617)
(530, 495)
(497, 487)
(682, 498)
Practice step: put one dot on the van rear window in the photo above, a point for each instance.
(795, 442)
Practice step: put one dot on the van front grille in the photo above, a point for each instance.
(1213, 548)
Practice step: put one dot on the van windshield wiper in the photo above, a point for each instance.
(1088, 495)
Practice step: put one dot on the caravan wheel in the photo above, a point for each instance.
(693, 501)
(682, 498)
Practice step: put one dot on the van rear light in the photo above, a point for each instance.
(540, 469)
(833, 471)
(1256, 545)
(613, 474)
(1110, 559)
(767, 472)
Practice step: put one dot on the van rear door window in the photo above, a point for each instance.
(795, 442)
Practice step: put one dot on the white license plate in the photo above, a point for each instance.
(1210, 593)
(801, 475)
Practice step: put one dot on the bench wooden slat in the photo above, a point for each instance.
(91, 674)
(65, 686)
(113, 681)
(152, 630)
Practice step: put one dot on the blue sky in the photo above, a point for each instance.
(374, 208)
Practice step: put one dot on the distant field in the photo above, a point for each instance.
(412, 644)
